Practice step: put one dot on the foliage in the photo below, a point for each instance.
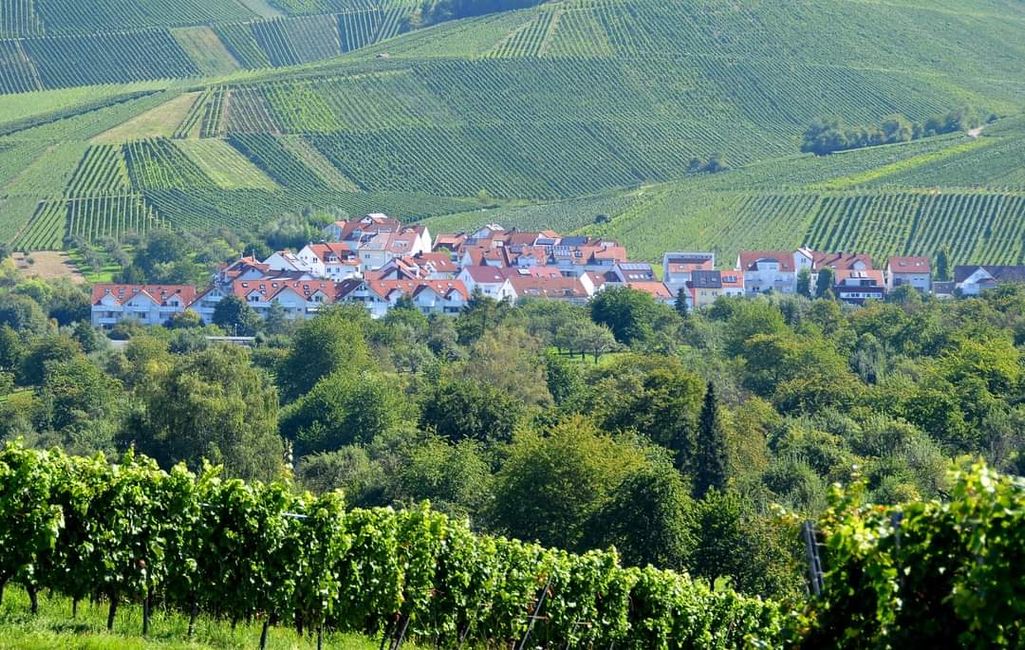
(343, 409)
(629, 314)
(332, 343)
(825, 137)
(461, 409)
(265, 552)
(709, 464)
(550, 486)
(648, 518)
(940, 573)
(235, 316)
(226, 409)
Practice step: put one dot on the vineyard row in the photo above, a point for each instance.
(131, 532)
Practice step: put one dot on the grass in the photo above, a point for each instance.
(206, 49)
(103, 275)
(159, 122)
(228, 168)
(53, 627)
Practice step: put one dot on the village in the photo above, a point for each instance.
(377, 261)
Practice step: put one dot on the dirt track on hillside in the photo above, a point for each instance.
(47, 265)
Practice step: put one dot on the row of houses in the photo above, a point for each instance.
(376, 261)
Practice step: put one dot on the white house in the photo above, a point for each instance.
(300, 299)
(973, 280)
(150, 304)
(334, 261)
(206, 302)
(443, 297)
(677, 267)
(354, 229)
(859, 286)
(631, 272)
(576, 290)
(913, 271)
(776, 271)
(287, 262)
(490, 281)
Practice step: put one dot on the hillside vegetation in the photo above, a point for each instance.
(562, 102)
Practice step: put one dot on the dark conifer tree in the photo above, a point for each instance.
(710, 461)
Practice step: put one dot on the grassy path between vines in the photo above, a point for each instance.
(53, 627)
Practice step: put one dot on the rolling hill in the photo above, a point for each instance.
(224, 113)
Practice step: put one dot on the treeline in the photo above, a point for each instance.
(827, 136)
(436, 11)
(130, 532)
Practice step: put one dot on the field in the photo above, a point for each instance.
(581, 115)
(47, 44)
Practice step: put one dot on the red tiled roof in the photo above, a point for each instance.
(371, 223)
(451, 241)
(691, 265)
(341, 250)
(440, 262)
(532, 272)
(548, 287)
(160, 293)
(412, 288)
(732, 279)
(614, 253)
(656, 290)
(868, 274)
(271, 288)
(486, 274)
(600, 279)
(748, 259)
(839, 261)
(910, 265)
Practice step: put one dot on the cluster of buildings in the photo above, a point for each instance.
(376, 261)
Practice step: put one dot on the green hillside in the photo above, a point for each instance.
(541, 117)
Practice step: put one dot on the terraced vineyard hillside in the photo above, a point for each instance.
(64, 43)
(545, 116)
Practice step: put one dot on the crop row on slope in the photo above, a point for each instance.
(109, 216)
(298, 40)
(243, 110)
(644, 120)
(107, 58)
(92, 16)
(18, 18)
(158, 165)
(45, 230)
(17, 73)
(225, 165)
(988, 161)
(563, 217)
(206, 50)
(213, 208)
(48, 173)
(191, 126)
(132, 531)
(102, 171)
(40, 118)
(278, 162)
(17, 212)
(975, 226)
(141, 50)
